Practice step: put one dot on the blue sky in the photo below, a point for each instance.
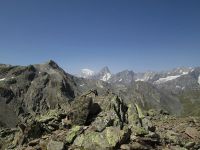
(138, 35)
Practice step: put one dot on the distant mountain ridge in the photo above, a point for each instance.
(126, 76)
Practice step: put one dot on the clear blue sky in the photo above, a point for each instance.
(138, 35)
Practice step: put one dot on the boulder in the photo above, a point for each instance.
(138, 146)
(110, 138)
(172, 136)
(80, 109)
(192, 132)
(55, 145)
(73, 133)
(189, 145)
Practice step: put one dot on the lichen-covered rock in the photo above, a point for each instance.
(133, 118)
(116, 136)
(50, 115)
(55, 145)
(73, 133)
(172, 136)
(192, 132)
(103, 120)
(91, 140)
(111, 137)
(114, 112)
(139, 131)
(80, 110)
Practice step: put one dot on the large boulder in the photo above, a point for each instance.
(113, 112)
(80, 109)
(110, 138)
(55, 145)
(73, 133)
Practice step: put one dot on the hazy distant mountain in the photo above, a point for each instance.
(124, 77)
(86, 73)
(178, 78)
(104, 74)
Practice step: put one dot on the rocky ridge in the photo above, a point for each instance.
(44, 108)
(103, 122)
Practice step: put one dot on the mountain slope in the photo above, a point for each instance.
(34, 89)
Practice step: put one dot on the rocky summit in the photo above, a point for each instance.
(44, 108)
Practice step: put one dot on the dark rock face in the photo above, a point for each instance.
(34, 89)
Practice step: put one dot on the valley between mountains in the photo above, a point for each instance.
(42, 107)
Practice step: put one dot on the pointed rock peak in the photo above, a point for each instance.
(127, 71)
(52, 63)
(105, 70)
(105, 74)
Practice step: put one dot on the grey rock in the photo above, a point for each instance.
(55, 145)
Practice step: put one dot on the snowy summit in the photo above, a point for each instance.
(86, 73)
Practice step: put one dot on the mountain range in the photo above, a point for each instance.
(168, 86)
(127, 76)
(44, 99)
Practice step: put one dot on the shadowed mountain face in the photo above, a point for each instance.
(34, 89)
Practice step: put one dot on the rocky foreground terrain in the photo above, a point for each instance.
(44, 108)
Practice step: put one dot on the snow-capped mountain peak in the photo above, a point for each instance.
(86, 73)
(104, 74)
(106, 77)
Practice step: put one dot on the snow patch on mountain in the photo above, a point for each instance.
(85, 73)
(145, 78)
(184, 73)
(140, 80)
(2, 79)
(178, 87)
(106, 77)
(168, 78)
(199, 80)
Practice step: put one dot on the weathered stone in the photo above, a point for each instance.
(30, 148)
(116, 136)
(138, 146)
(172, 136)
(125, 147)
(73, 133)
(147, 124)
(192, 132)
(189, 145)
(104, 119)
(139, 111)
(80, 110)
(139, 131)
(177, 147)
(55, 145)
(133, 118)
(91, 139)
(34, 142)
(109, 138)
(50, 115)
(152, 112)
